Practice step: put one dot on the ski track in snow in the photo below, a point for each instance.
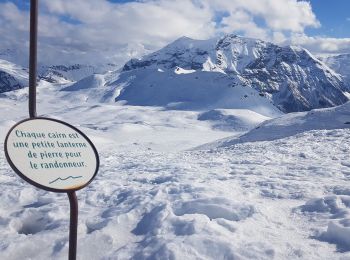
(282, 199)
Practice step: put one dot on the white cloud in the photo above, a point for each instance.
(90, 30)
(289, 15)
(322, 44)
(279, 37)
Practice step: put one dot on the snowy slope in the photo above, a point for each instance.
(12, 76)
(292, 124)
(340, 64)
(93, 88)
(232, 119)
(92, 81)
(76, 72)
(197, 90)
(282, 199)
(290, 76)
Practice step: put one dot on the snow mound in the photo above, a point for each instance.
(180, 70)
(215, 208)
(335, 208)
(332, 205)
(92, 81)
(338, 232)
(232, 119)
(294, 123)
(187, 220)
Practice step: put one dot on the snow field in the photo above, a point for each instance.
(154, 198)
(253, 200)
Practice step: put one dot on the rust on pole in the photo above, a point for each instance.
(33, 57)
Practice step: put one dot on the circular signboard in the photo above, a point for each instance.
(51, 154)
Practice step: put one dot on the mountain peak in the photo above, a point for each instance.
(291, 77)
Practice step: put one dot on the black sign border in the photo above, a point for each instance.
(37, 184)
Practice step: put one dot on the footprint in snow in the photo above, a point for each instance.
(215, 208)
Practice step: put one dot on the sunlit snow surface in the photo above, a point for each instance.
(156, 198)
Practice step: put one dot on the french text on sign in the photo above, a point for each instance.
(51, 154)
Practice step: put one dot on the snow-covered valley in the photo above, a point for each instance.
(198, 161)
(157, 198)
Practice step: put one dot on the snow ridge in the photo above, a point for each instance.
(340, 64)
(12, 76)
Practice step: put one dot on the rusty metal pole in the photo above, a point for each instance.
(73, 227)
(33, 57)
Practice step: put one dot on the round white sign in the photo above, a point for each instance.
(51, 154)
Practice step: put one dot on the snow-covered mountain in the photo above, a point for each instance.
(220, 73)
(15, 55)
(291, 77)
(12, 76)
(189, 90)
(340, 64)
(76, 72)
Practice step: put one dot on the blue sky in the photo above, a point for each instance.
(23, 4)
(120, 29)
(334, 17)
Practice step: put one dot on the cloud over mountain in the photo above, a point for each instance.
(86, 30)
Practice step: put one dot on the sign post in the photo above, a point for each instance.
(73, 226)
(51, 154)
(33, 57)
